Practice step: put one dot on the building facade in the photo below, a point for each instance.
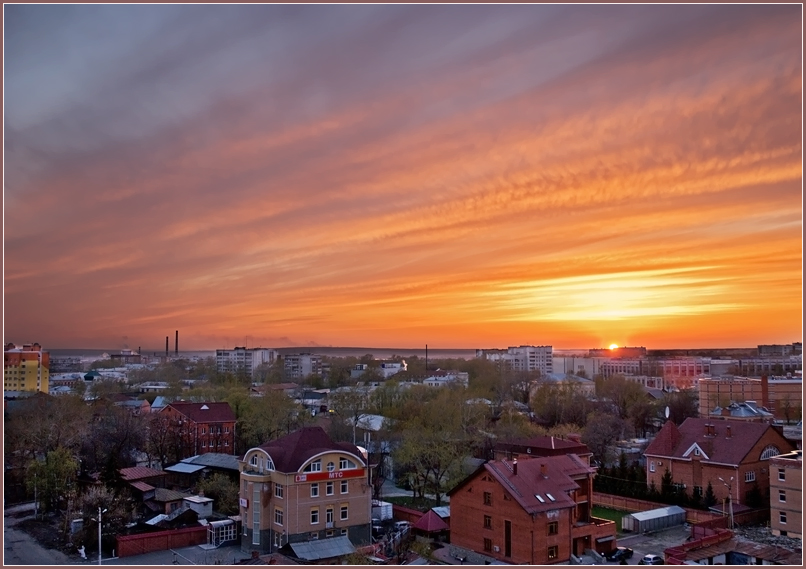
(243, 360)
(705, 450)
(522, 358)
(782, 395)
(25, 368)
(300, 366)
(786, 494)
(533, 511)
(201, 427)
(304, 487)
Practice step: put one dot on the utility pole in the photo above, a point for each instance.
(728, 485)
(99, 535)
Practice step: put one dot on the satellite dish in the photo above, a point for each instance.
(667, 411)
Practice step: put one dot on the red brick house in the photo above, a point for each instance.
(202, 427)
(703, 450)
(541, 446)
(533, 511)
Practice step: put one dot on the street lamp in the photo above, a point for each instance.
(728, 485)
(99, 531)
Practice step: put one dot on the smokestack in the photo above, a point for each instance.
(166, 346)
(176, 343)
(515, 467)
(426, 359)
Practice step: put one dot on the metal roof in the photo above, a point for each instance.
(215, 460)
(185, 468)
(658, 513)
(323, 548)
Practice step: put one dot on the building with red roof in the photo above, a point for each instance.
(533, 511)
(702, 450)
(202, 427)
(304, 487)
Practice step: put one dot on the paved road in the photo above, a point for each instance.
(20, 548)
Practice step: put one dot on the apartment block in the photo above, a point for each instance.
(25, 368)
(202, 427)
(303, 487)
(786, 494)
(243, 360)
(300, 366)
(522, 358)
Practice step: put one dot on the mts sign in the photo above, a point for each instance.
(340, 474)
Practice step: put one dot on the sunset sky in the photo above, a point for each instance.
(461, 176)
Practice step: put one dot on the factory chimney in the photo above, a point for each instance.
(166, 346)
(176, 343)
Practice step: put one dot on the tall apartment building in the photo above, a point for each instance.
(522, 358)
(786, 494)
(304, 487)
(243, 360)
(299, 366)
(25, 368)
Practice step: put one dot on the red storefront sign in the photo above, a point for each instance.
(336, 475)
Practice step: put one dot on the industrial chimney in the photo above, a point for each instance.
(176, 343)
(166, 346)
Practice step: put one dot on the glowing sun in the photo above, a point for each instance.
(613, 346)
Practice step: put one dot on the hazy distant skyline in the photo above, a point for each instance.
(400, 175)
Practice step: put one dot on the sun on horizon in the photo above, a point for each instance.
(614, 346)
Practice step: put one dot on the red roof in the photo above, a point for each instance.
(204, 412)
(139, 472)
(142, 486)
(431, 523)
(673, 442)
(290, 452)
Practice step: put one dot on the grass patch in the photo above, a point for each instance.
(609, 514)
(421, 504)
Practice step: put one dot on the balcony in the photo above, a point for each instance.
(329, 525)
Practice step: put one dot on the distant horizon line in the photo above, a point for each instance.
(381, 348)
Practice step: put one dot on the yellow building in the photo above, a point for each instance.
(25, 368)
(302, 488)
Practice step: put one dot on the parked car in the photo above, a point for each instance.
(402, 526)
(651, 559)
(619, 553)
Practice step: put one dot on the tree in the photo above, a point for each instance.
(621, 392)
(601, 431)
(52, 478)
(349, 404)
(118, 512)
(682, 405)
(223, 491)
(709, 499)
(667, 490)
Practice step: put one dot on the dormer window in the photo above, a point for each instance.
(696, 451)
(315, 466)
(346, 464)
(253, 462)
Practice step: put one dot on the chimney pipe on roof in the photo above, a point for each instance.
(728, 431)
(543, 470)
(515, 467)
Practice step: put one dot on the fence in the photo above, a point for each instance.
(160, 541)
(406, 514)
(693, 516)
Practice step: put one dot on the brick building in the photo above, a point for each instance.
(541, 446)
(786, 494)
(202, 427)
(703, 450)
(782, 395)
(301, 488)
(534, 511)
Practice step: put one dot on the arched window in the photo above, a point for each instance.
(770, 451)
(253, 462)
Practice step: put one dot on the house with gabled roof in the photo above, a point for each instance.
(304, 487)
(703, 450)
(534, 511)
(202, 426)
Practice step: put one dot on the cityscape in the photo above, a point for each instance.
(403, 284)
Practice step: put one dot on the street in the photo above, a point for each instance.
(22, 549)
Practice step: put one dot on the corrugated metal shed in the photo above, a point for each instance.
(653, 520)
(323, 548)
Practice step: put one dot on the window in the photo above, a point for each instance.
(346, 464)
(782, 495)
(344, 531)
(488, 544)
(278, 516)
(769, 452)
(652, 466)
(226, 443)
(314, 515)
(256, 516)
(315, 490)
(204, 431)
(329, 489)
(315, 466)
(344, 487)
(698, 491)
(329, 533)
(488, 499)
(553, 528)
(553, 552)
(314, 535)
(204, 444)
(696, 451)
(782, 517)
(331, 467)
(488, 522)
(253, 462)
(344, 512)
(782, 475)
(226, 429)
(329, 515)
(750, 476)
(278, 491)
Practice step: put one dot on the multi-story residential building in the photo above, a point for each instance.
(202, 427)
(388, 369)
(532, 511)
(522, 358)
(786, 494)
(243, 360)
(782, 395)
(703, 450)
(679, 372)
(583, 366)
(780, 349)
(25, 368)
(442, 377)
(304, 487)
(620, 352)
(300, 366)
